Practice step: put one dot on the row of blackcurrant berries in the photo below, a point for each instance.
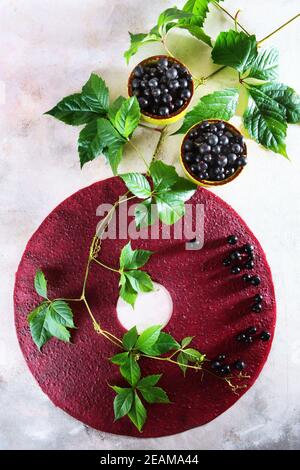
(249, 335)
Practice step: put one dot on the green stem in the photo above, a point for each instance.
(159, 143)
(105, 266)
(95, 323)
(230, 16)
(138, 152)
(278, 29)
(69, 300)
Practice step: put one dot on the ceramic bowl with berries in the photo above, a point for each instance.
(213, 153)
(164, 88)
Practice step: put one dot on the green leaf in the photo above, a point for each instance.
(96, 95)
(145, 214)
(193, 355)
(114, 108)
(38, 325)
(95, 137)
(235, 49)
(131, 371)
(265, 121)
(165, 343)
(265, 66)
(186, 341)
(197, 32)
(199, 9)
(56, 329)
(154, 395)
(140, 281)
(148, 338)
(40, 284)
(137, 184)
(133, 259)
(138, 40)
(138, 413)
(149, 381)
(130, 338)
(217, 105)
(169, 15)
(128, 293)
(127, 117)
(286, 97)
(182, 362)
(120, 358)
(114, 155)
(89, 143)
(74, 110)
(123, 402)
(61, 313)
(163, 175)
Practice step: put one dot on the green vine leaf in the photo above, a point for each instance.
(114, 108)
(182, 362)
(148, 338)
(186, 341)
(235, 49)
(170, 192)
(168, 16)
(82, 108)
(149, 381)
(138, 413)
(133, 259)
(145, 214)
(164, 344)
(95, 137)
(40, 284)
(123, 401)
(130, 370)
(46, 322)
(139, 280)
(217, 105)
(127, 117)
(265, 66)
(127, 292)
(119, 359)
(265, 120)
(193, 355)
(138, 40)
(154, 395)
(199, 9)
(137, 184)
(130, 338)
(286, 97)
(61, 313)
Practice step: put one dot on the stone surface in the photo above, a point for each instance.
(48, 51)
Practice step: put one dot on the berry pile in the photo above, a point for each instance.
(162, 87)
(219, 365)
(213, 151)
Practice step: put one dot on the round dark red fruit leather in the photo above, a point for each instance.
(210, 303)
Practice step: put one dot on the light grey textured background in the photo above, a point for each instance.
(48, 50)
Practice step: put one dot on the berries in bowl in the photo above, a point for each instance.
(164, 88)
(213, 152)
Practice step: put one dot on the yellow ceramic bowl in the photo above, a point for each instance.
(207, 182)
(152, 118)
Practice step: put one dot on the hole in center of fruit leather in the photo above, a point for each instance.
(151, 308)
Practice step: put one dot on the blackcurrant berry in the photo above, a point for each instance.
(235, 256)
(249, 265)
(212, 140)
(241, 338)
(239, 365)
(258, 298)
(255, 280)
(215, 365)
(143, 102)
(164, 111)
(232, 239)
(226, 262)
(235, 270)
(221, 357)
(225, 370)
(257, 308)
(185, 94)
(265, 336)
(248, 248)
(246, 277)
(172, 73)
(251, 331)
